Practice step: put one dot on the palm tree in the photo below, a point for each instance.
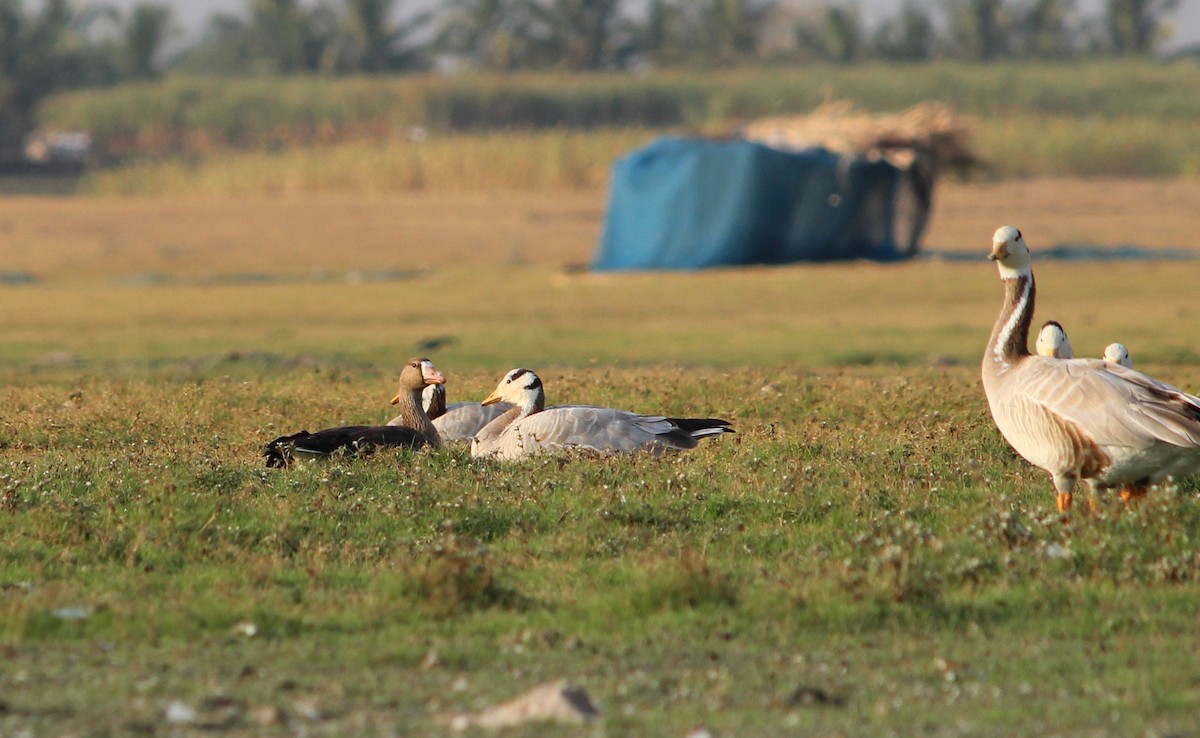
(144, 33)
(39, 55)
(366, 39)
(1043, 30)
(1134, 25)
(489, 34)
(581, 34)
(910, 36)
(837, 36)
(979, 28)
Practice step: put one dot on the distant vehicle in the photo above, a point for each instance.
(58, 146)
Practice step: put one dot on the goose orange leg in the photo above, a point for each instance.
(1131, 493)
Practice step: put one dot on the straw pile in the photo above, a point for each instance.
(929, 131)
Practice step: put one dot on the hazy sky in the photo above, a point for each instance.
(193, 13)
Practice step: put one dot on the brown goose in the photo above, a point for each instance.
(530, 428)
(459, 421)
(1052, 341)
(411, 428)
(1080, 419)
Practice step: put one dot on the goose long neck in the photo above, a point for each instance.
(1010, 335)
(536, 405)
(412, 415)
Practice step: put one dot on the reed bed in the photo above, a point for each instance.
(1011, 147)
(188, 115)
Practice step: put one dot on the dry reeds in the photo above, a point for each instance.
(932, 130)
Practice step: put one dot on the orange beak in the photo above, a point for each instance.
(492, 398)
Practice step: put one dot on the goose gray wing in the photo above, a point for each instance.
(600, 429)
(462, 420)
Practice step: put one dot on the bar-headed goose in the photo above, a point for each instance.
(1052, 341)
(411, 428)
(458, 421)
(1080, 419)
(530, 428)
(1117, 353)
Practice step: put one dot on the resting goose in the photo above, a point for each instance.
(1080, 419)
(411, 428)
(530, 428)
(459, 421)
(1052, 341)
(1117, 353)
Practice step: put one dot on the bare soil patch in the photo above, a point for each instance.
(55, 238)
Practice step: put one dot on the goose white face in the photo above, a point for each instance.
(1117, 353)
(1052, 341)
(520, 387)
(1010, 253)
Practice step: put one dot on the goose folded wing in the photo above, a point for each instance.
(352, 439)
(462, 420)
(1113, 405)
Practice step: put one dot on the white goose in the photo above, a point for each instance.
(1080, 419)
(530, 428)
(458, 421)
(1052, 341)
(1117, 353)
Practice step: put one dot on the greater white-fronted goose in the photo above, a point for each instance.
(1080, 419)
(530, 428)
(458, 421)
(1052, 341)
(411, 428)
(1117, 353)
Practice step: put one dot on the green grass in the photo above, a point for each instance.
(852, 540)
(865, 534)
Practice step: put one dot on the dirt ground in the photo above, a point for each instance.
(88, 238)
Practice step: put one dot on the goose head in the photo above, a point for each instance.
(1052, 341)
(1117, 353)
(416, 374)
(1010, 253)
(521, 388)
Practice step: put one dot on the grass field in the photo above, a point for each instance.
(864, 557)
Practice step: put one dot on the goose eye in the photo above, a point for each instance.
(1019, 236)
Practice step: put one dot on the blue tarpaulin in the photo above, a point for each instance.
(683, 203)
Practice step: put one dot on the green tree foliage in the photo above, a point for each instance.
(980, 29)
(143, 36)
(1134, 25)
(729, 30)
(364, 38)
(838, 36)
(487, 34)
(41, 53)
(910, 36)
(581, 34)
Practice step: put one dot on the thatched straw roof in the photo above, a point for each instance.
(932, 130)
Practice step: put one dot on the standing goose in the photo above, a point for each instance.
(1080, 419)
(1117, 353)
(411, 428)
(459, 421)
(1052, 341)
(530, 428)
